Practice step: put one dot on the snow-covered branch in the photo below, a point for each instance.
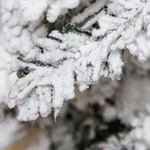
(50, 70)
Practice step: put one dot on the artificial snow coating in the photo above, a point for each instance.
(78, 59)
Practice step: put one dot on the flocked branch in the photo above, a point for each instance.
(48, 72)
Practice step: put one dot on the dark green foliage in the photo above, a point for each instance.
(66, 29)
(20, 57)
(74, 30)
(38, 63)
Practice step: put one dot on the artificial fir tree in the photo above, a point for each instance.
(92, 45)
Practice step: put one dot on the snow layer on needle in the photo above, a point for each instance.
(33, 9)
(20, 35)
(99, 4)
(60, 7)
